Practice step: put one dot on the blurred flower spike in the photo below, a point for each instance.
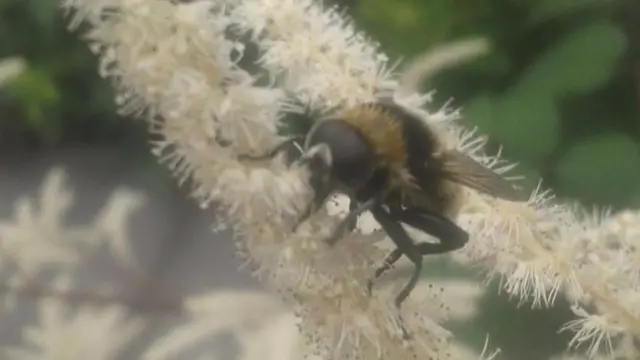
(179, 66)
(10, 68)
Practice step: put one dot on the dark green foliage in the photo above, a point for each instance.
(59, 98)
(577, 63)
(608, 177)
(517, 327)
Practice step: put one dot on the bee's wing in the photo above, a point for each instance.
(464, 170)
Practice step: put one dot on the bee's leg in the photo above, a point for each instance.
(386, 265)
(320, 182)
(353, 222)
(351, 218)
(273, 152)
(406, 246)
(451, 236)
(394, 205)
(322, 190)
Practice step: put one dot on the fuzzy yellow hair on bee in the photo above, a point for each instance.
(382, 131)
(385, 134)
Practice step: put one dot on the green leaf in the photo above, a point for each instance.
(409, 27)
(544, 10)
(580, 62)
(34, 85)
(478, 112)
(504, 318)
(45, 13)
(527, 124)
(497, 63)
(603, 169)
(634, 200)
(38, 95)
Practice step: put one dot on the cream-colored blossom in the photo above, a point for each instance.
(87, 333)
(145, 51)
(10, 68)
(268, 330)
(246, 314)
(319, 56)
(178, 66)
(39, 241)
(38, 235)
(113, 224)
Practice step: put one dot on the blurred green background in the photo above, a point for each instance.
(560, 90)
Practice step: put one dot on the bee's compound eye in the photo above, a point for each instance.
(352, 158)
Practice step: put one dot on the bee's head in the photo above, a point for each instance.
(342, 150)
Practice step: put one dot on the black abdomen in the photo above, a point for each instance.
(421, 145)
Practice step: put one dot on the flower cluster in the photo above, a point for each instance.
(41, 254)
(180, 67)
(10, 68)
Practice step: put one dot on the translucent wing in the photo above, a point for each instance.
(464, 170)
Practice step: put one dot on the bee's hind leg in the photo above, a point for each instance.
(450, 235)
(384, 267)
(405, 245)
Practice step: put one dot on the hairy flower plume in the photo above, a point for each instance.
(179, 67)
(175, 65)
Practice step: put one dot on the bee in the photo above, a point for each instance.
(391, 163)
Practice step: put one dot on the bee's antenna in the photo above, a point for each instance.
(298, 147)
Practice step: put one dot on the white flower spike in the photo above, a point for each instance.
(180, 67)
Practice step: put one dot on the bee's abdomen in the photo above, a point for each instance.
(434, 192)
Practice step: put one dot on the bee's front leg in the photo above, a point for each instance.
(352, 222)
(320, 181)
(352, 217)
